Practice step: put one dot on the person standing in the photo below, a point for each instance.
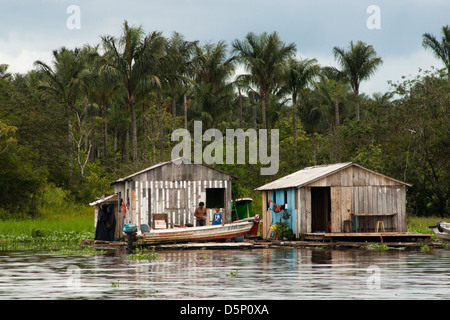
(200, 214)
(218, 219)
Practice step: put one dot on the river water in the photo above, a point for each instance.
(269, 274)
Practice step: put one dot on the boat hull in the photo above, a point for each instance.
(187, 234)
(442, 230)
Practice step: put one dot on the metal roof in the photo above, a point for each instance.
(304, 176)
(176, 161)
(310, 174)
(105, 198)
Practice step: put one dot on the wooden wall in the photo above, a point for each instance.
(175, 190)
(382, 199)
(354, 176)
(356, 190)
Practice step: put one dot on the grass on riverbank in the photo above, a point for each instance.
(421, 224)
(61, 224)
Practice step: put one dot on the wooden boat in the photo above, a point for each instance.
(254, 230)
(442, 230)
(204, 233)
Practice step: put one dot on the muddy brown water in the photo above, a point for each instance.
(276, 273)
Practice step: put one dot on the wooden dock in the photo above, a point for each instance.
(369, 236)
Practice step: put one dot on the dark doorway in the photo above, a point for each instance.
(321, 209)
(215, 197)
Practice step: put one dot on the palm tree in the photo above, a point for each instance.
(184, 66)
(440, 49)
(63, 82)
(101, 86)
(132, 57)
(332, 90)
(3, 74)
(297, 76)
(263, 56)
(312, 116)
(212, 88)
(358, 63)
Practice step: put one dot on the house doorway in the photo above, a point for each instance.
(215, 197)
(320, 209)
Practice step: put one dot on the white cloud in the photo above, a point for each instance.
(395, 67)
(23, 62)
(392, 69)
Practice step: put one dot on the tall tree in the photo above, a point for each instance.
(101, 86)
(263, 56)
(132, 57)
(440, 49)
(312, 116)
(63, 83)
(297, 76)
(183, 66)
(212, 87)
(359, 63)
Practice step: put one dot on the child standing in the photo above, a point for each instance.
(218, 217)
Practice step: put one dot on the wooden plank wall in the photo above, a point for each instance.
(175, 190)
(305, 219)
(266, 215)
(382, 199)
(341, 201)
(353, 176)
(370, 193)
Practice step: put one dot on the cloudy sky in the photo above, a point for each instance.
(31, 29)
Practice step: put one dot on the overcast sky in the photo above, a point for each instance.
(30, 30)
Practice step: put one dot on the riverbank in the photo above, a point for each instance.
(77, 229)
(268, 244)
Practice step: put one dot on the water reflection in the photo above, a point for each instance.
(229, 274)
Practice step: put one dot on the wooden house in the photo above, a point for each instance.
(336, 198)
(172, 190)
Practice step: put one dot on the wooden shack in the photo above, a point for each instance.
(336, 198)
(173, 190)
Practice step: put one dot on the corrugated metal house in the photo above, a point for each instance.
(342, 197)
(173, 188)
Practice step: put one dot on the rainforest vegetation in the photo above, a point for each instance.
(95, 113)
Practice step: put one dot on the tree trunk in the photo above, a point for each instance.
(294, 120)
(263, 109)
(161, 127)
(134, 130)
(185, 112)
(313, 147)
(336, 128)
(240, 108)
(174, 112)
(127, 143)
(254, 109)
(115, 144)
(70, 142)
(144, 140)
(357, 103)
(104, 135)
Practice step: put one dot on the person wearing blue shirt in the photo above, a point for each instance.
(218, 217)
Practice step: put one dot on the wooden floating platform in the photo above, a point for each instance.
(311, 240)
(370, 236)
(206, 245)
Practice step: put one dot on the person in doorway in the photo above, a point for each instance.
(124, 208)
(218, 219)
(200, 214)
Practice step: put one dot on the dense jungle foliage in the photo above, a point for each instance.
(104, 111)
